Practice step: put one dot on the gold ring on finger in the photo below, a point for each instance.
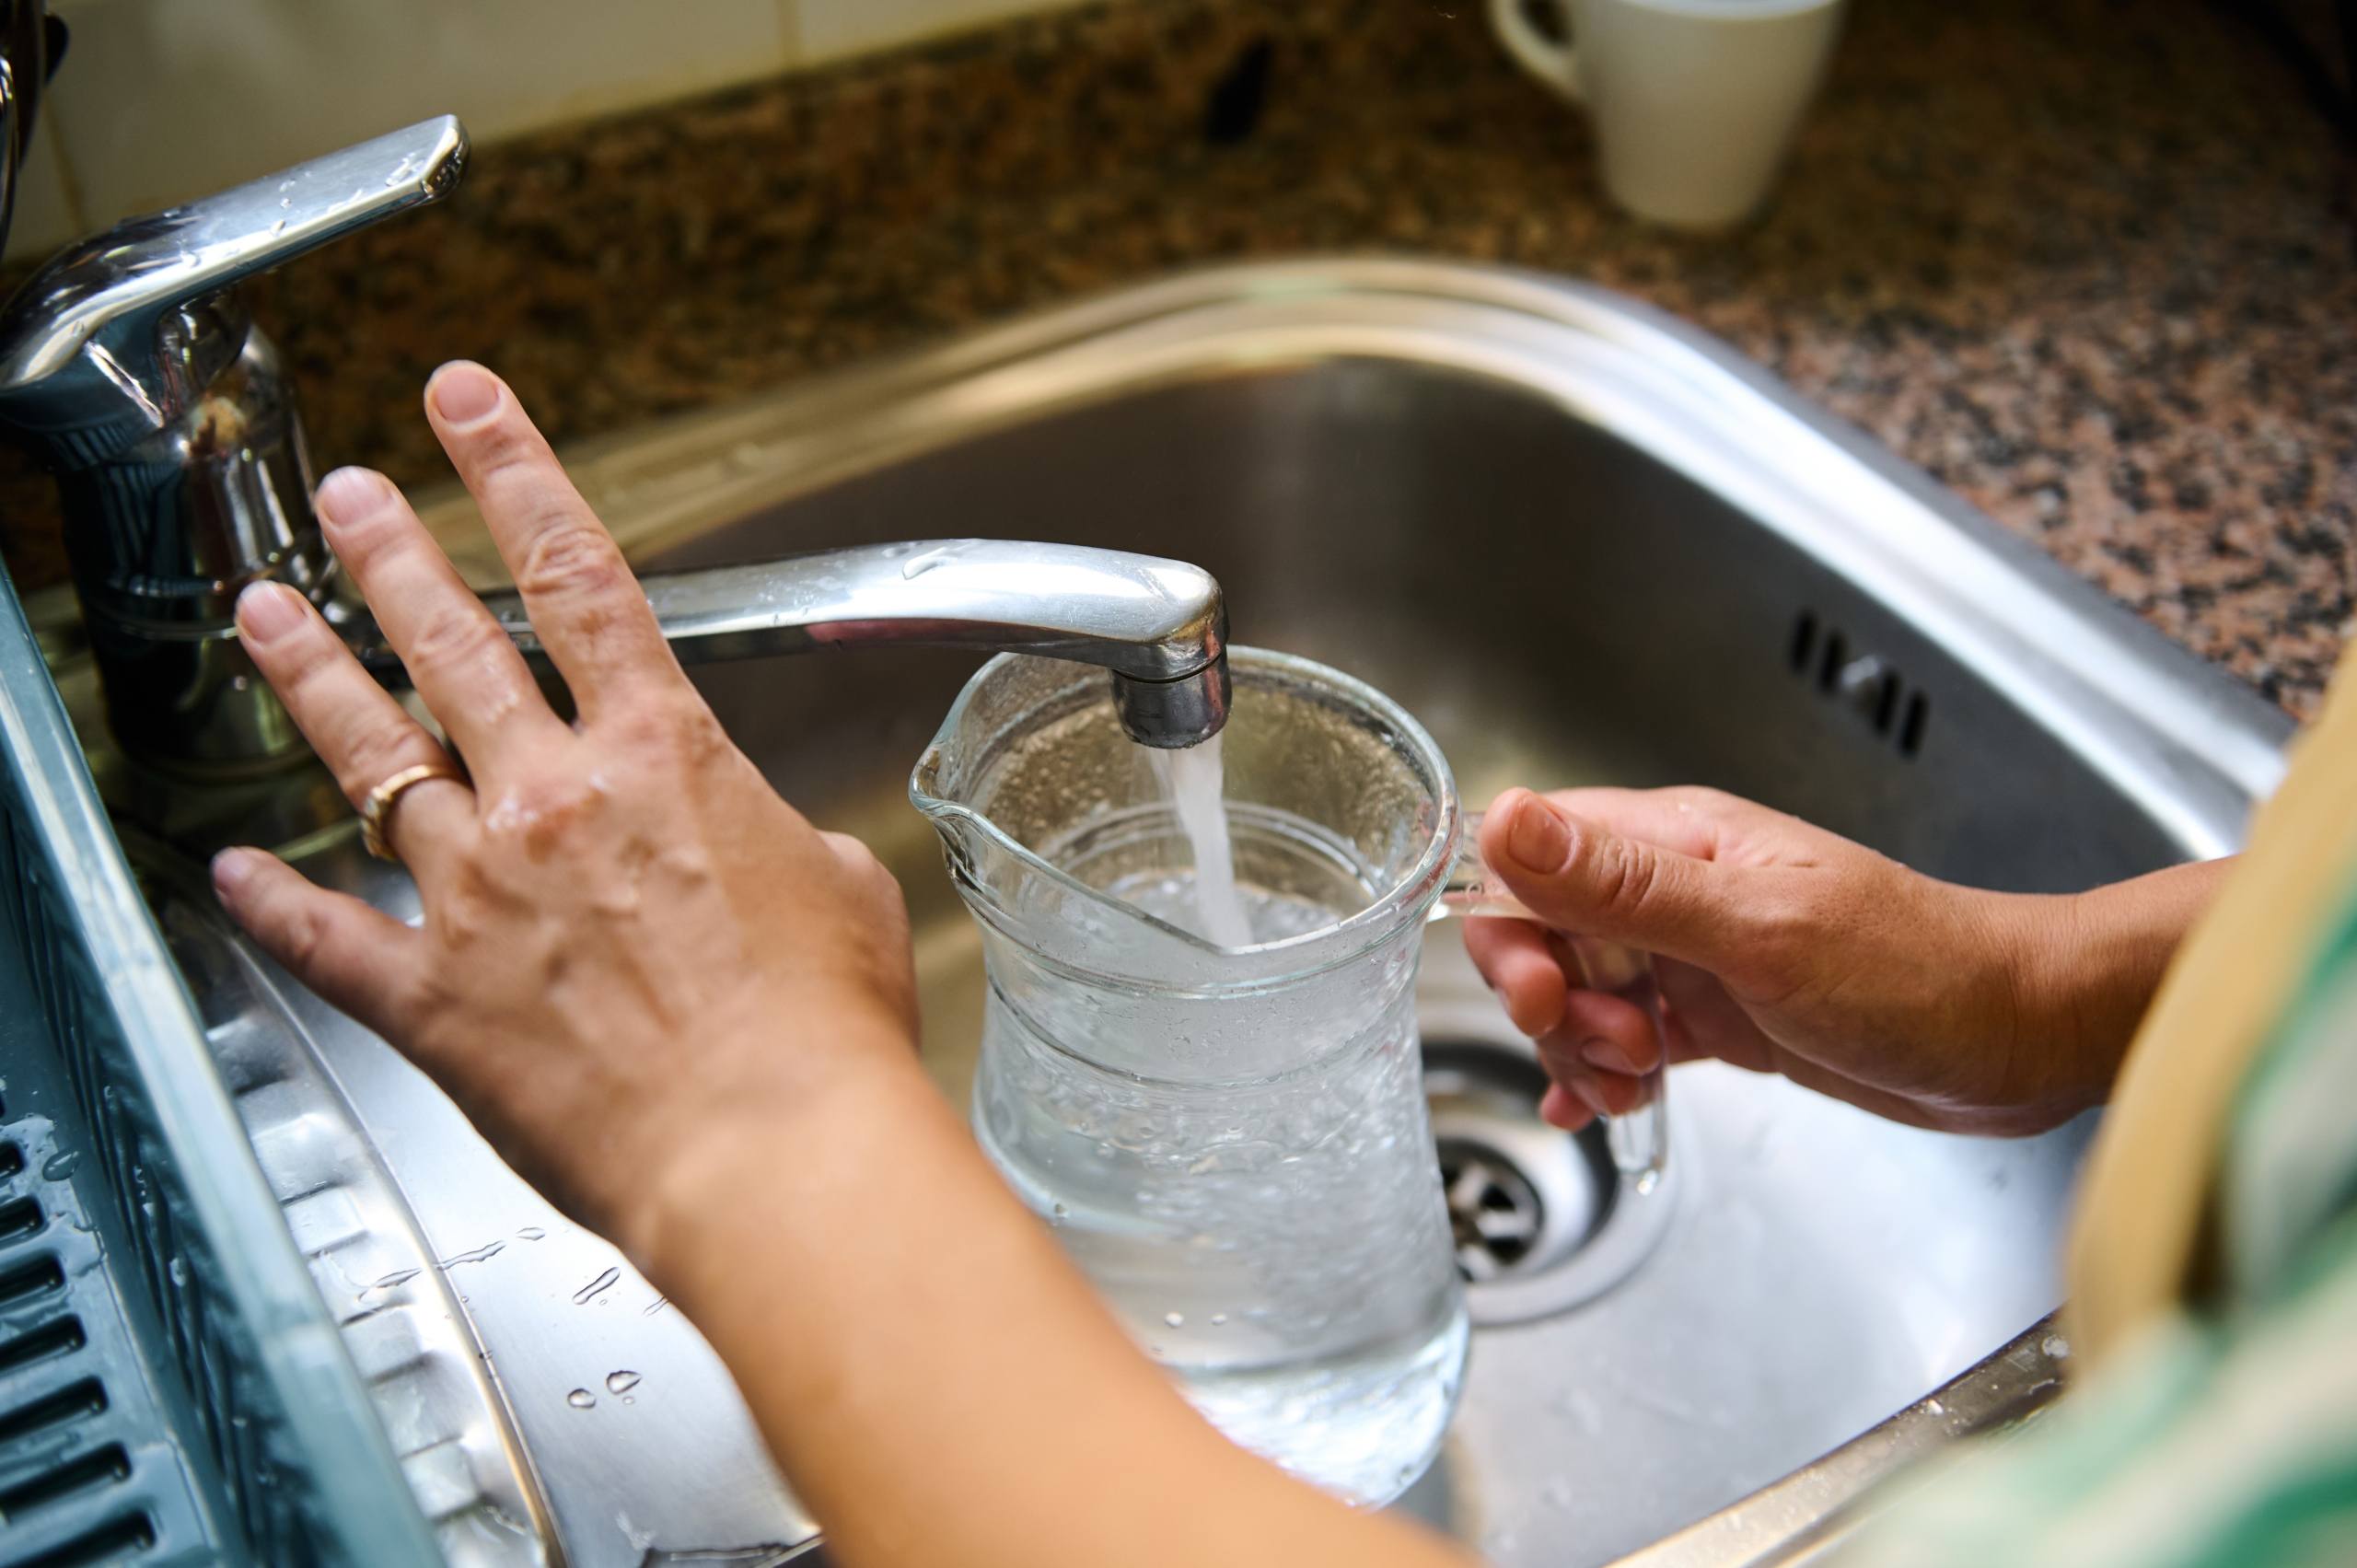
(377, 811)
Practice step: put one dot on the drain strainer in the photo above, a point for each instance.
(1541, 1220)
(1495, 1214)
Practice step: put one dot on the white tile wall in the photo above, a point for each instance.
(159, 100)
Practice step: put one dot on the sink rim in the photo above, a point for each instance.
(2180, 738)
(2189, 744)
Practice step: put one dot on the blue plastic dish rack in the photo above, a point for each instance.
(172, 1389)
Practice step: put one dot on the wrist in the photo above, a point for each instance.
(2068, 1033)
(754, 1138)
(2088, 965)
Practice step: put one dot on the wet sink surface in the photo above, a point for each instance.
(1581, 546)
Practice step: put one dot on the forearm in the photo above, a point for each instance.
(939, 1383)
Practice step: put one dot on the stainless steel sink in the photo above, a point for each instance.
(1583, 544)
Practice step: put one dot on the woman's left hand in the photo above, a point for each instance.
(627, 934)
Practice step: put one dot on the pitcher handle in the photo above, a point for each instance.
(1640, 1140)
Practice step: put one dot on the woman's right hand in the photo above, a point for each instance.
(1782, 947)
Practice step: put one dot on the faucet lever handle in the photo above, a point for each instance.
(112, 339)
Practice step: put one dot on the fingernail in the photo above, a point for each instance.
(1598, 1052)
(231, 870)
(1540, 839)
(349, 495)
(267, 611)
(463, 392)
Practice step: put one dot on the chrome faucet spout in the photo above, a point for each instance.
(1159, 626)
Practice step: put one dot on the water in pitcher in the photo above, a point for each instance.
(1208, 1213)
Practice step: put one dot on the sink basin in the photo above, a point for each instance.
(1583, 544)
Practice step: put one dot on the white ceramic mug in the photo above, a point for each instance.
(1695, 101)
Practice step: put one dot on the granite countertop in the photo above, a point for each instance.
(2087, 262)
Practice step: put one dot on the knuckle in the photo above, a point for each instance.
(361, 537)
(569, 558)
(679, 727)
(506, 449)
(373, 751)
(868, 873)
(891, 900)
(1778, 927)
(455, 635)
(538, 815)
(1625, 873)
(306, 931)
(301, 660)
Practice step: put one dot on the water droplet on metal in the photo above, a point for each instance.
(484, 1253)
(530, 1233)
(58, 1166)
(1175, 1319)
(918, 565)
(620, 1382)
(596, 1287)
(581, 1399)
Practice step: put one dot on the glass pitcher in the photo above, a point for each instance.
(1232, 1143)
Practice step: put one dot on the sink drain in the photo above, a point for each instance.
(1541, 1220)
(1493, 1213)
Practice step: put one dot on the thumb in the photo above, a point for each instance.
(1575, 874)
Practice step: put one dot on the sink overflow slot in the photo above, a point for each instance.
(1864, 683)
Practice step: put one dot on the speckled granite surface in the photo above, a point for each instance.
(2085, 260)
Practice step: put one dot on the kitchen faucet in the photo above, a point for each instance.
(129, 363)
